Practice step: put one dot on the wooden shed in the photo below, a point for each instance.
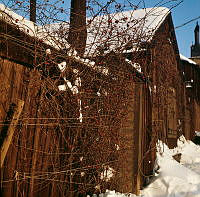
(167, 86)
(190, 71)
(160, 64)
(80, 119)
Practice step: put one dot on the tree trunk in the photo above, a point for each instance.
(77, 31)
(33, 10)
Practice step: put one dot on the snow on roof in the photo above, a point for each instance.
(49, 35)
(111, 32)
(30, 28)
(115, 31)
(182, 57)
(22, 23)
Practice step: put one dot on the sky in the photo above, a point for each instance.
(186, 11)
(182, 13)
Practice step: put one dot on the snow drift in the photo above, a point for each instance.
(172, 179)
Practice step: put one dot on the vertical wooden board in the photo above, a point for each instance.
(146, 159)
(127, 157)
(197, 116)
(45, 160)
(18, 81)
(136, 137)
(30, 131)
(144, 142)
(12, 86)
(5, 71)
(187, 123)
(140, 137)
(35, 157)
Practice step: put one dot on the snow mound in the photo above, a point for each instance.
(190, 151)
(173, 179)
(169, 186)
(176, 179)
(115, 194)
(170, 167)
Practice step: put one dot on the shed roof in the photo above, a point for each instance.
(117, 30)
(113, 32)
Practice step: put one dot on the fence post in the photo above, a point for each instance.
(11, 129)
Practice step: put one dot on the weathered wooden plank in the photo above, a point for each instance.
(140, 134)
(11, 129)
(35, 157)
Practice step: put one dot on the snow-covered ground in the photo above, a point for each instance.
(173, 179)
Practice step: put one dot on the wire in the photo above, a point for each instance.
(194, 19)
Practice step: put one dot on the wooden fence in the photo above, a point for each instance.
(62, 143)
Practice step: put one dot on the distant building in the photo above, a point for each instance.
(195, 48)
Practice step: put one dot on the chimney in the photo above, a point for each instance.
(196, 34)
